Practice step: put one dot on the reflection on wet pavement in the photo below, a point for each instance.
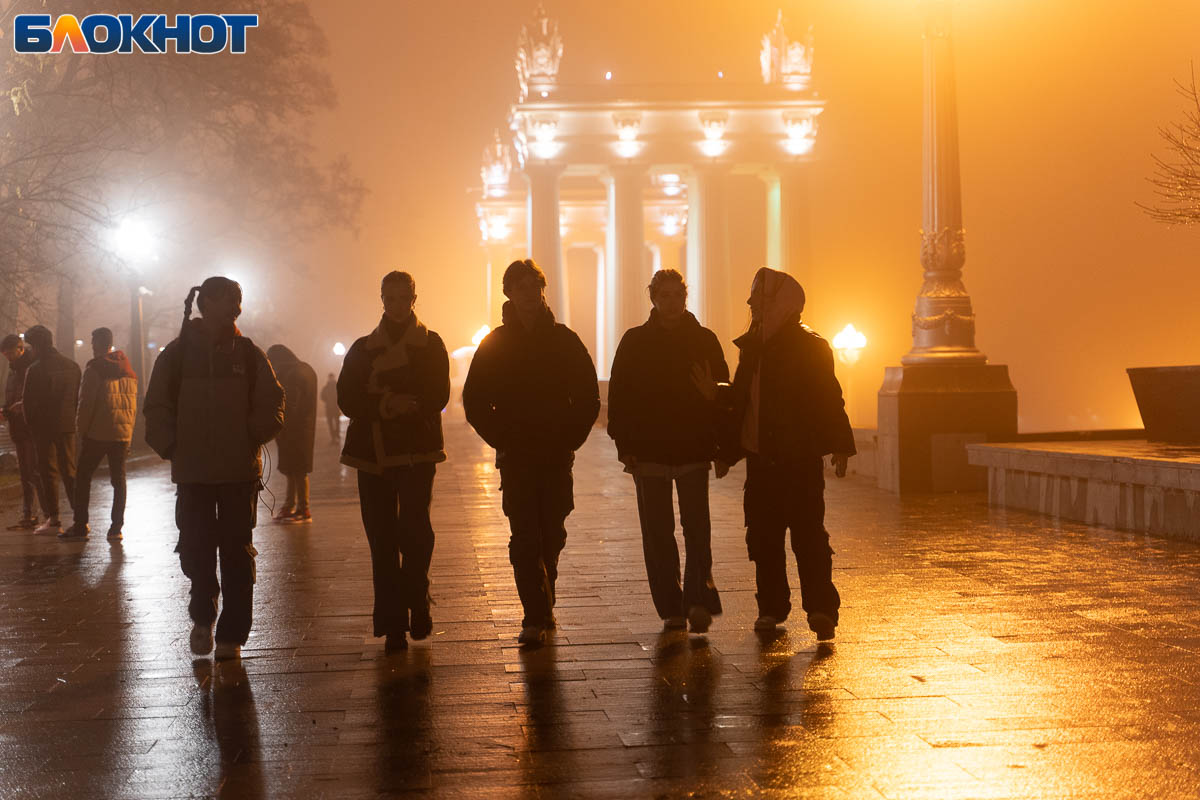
(981, 655)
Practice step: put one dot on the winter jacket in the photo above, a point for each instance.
(786, 397)
(294, 444)
(14, 410)
(411, 360)
(655, 411)
(211, 404)
(51, 391)
(107, 399)
(532, 393)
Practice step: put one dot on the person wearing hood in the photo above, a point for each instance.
(788, 414)
(48, 400)
(294, 445)
(531, 394)
(394, 383)
(19, 358)
(212, 403)
(107, 409)
(666, 433)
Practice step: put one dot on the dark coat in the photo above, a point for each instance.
(801, 411)
(532, 394)
(329, 398)
(51, 393)
(377, 366)
(294, 444)
(18, 428)
(211, 404)
(655, 411)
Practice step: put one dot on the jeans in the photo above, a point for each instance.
(219, 519)
(55, 456)
(537, 501)
(297, 492)
(395, 514)
(657, 516)
(31, 482)
(780, 497)
(89, 459)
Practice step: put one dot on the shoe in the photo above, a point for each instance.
(301, 516)
(114, 535)
(532, 636)
(75, 533)
(674, 623)
(421, 624)
(395, 642)
(285, 515)
(823, 625)
(227, 651)
(201, 640)
(51, 526)
(24, 524)
(551, 623)
(766, 623)
(699, 618)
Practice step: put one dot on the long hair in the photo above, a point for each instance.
(216, 286)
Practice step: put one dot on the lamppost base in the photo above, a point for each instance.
(928, 413)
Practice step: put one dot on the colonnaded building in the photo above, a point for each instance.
(604, 183)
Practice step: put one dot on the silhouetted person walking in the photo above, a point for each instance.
(105, 417)
(665, 430)
(211, 405)
(394, 384)
(531, 394)
(51, 391)
(294, 445)
(333, 414)
(788, 414)
(19, 358)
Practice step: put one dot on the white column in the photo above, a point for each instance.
(708, 271)
(544, 235)
(627, 252)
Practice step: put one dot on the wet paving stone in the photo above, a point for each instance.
(981, 654)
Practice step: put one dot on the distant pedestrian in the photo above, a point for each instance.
(333, 414)
(51, 392)
(107, 409)
(294, 445)
(395, 381)
(531, 393)
(212, 403)
(788, 414)
(666, 433)
(19, 358)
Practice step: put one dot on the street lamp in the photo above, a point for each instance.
(849, 343)
(134, 243)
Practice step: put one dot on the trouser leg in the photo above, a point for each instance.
(117, 453)
(657, 518)
(289, 501)
(766, 528)
(89, 458)
(698, 586)
(810, 540)
(302, 492)
(557, 501)
(196, 518)
(335, 425)
(414, 487)
(236, 516)
(47, 463)
(522, 506)
(378, 500)
(27, 468)
(64, 444)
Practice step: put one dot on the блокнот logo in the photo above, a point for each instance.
(121, 33)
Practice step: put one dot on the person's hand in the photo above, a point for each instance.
(839, 461)
(720, 468)
(702, 379)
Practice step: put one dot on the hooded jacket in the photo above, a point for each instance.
(295, 442)
(51, 391)
(787, 402)
(532, 393)
(14, 410)
(212, 403)
(107, 399)
(655, 412)
(405, 359)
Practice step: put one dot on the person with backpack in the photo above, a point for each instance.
(212, 403)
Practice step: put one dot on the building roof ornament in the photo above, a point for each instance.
(786, 62)
(497, 166)
(539, 52)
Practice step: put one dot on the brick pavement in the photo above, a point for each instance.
(980, 655)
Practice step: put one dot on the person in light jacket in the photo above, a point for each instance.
(107, 409)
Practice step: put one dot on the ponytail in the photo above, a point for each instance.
(187, 308)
